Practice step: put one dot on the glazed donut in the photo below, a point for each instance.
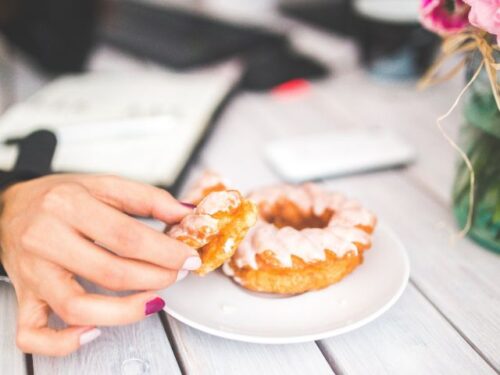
(305, 239)
(216, 227)
(207, 183)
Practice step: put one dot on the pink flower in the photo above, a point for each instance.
(485, 14)
(435, 16)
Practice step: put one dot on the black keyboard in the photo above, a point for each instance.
(178, 38)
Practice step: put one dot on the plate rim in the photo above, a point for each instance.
(314, 336)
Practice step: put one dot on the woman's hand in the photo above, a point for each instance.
(56, 227)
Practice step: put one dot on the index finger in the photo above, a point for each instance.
(130, 238)
(137, 198)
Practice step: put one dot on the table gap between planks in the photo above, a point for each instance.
(448, 319)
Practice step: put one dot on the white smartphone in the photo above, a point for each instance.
(337, 153)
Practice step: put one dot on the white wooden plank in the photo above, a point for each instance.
(461, 279)
(235, 147)
(411, 338)
(205, 354)
(119, 350)
(358, 100)
(354, 98)
(126, 350)
(11, 359)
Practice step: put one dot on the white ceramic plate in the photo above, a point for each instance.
(216, 305)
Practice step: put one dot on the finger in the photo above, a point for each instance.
(130, 238)
(34, 336)
(76, 307)
(80, 256)
(51, 342)
(137, 198)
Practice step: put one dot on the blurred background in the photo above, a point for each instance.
(59, 35)
(136, 87)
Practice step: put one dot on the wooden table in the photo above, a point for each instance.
(446, 322)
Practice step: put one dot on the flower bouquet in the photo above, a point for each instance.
(471, 32)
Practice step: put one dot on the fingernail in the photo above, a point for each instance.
(89, 336)
(192, 263)
(181, 275)
(188, 205)
(155, 305)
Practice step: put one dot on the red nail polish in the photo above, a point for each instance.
(153, 306)
(188, 205)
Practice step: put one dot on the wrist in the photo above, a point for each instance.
(8, 181)
(10, 178)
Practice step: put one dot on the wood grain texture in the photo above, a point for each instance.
(358, 100)
(119, 350)
(205, 354)
(411, 338)
(460, 279)
(11, 359)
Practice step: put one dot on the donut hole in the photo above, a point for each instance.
(285, 213)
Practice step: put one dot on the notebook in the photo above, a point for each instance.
(140, 125)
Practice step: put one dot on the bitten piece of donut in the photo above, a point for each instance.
(216, 227)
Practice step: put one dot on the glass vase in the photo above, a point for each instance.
(480, 140)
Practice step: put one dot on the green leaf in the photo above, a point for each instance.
(496, 215)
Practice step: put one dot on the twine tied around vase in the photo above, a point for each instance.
(467, 41)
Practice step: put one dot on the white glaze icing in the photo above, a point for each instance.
(207, 180)
(339, 236)
(228, 246)
(226, 268)
(218, 201)
(195, 225)
(308, 244)
(272, 194)
(311, 197)
(199, 224)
